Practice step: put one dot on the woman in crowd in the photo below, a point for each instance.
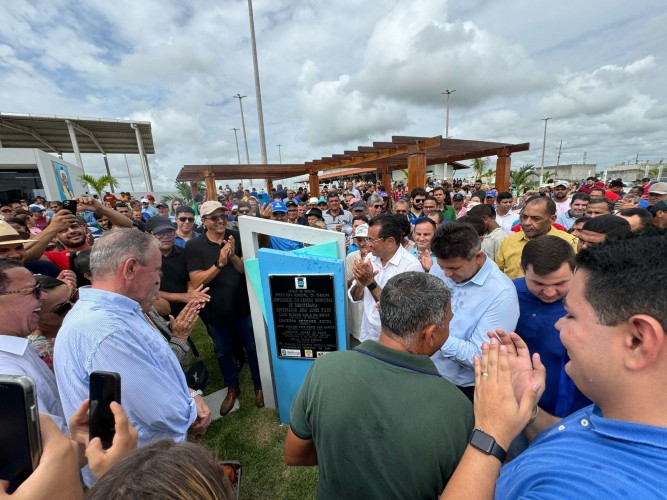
(174, 206)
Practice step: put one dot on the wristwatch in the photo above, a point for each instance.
(194, 394)
(487, 445)
(372, 286)
(217, 265)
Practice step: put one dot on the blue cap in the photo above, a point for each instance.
(278, 206)
(321, 200)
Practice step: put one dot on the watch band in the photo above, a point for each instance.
(487, 445)
(372, 286)
(217, 265)
(196, 393)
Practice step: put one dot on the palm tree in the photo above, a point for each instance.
(183, 193)
(488, 176)
(524, 177)
(478, 166)
(98, 183)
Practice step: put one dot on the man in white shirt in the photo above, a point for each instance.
(504, 215)
(560, 197)
(20, 301)
(387, 259)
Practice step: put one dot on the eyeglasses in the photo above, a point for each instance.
(419, 200)
(66, 307)
(36, 290)
(164, 235)
(186, 219)
(216, 218)
(371, 240)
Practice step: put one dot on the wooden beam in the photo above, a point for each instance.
(211, 190)
(195, 189)
(416, 171)
(314, 184)
(503, 165)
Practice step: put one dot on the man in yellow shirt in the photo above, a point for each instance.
(535, 219)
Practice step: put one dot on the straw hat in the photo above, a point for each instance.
(8, 235)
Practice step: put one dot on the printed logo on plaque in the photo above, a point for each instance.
(300, 283)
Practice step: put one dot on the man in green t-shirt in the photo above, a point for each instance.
(441, 196)
(379, 420)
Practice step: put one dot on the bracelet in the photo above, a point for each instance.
(194, 394)
(533, 416)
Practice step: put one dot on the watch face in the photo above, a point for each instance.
(482, 441)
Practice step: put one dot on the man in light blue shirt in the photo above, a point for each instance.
(106, 330)
(483, 299)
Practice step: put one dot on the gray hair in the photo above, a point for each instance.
(374, 198)
(403, 310)
(118, 245)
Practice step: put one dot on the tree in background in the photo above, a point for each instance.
(98, 184)
(525, 177)
(183, 193)
(478, 166)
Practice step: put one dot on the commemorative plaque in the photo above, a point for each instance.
(304, 315)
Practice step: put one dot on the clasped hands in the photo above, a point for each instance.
(227, 252)
(363, 272)
(508, 385)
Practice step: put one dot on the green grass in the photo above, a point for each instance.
(254, 437)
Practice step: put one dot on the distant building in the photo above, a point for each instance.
(572, 172)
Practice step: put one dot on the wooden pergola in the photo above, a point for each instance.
(413, 153)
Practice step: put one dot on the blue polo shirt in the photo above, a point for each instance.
(536, 327)
(589, 456)
(278, 243)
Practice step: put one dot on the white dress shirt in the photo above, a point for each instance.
(401, 262)
(507, 221)
(16, 358)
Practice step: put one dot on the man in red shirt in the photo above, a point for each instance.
(111, 198)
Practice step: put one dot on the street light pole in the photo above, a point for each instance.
(280, 156)
(544, 143)
(245, 137)
(447, 93)
(258, 92)
(236, 138)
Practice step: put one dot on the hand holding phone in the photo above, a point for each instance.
(104, 389)
(70, 205)
(20, 438)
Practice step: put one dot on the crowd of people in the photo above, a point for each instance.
(489, 330)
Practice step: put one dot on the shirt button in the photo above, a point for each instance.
(584, 422)
(561, 427)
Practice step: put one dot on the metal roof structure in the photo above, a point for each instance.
(94, 135)
(381, 156)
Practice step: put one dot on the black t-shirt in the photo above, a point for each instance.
(175, 277)
(228, 291)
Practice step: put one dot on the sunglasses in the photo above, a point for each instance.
(216, 218)
(186, 219)
(378, 206)
(66, 307)
(419, 200)
(244, 212)
(36, 290)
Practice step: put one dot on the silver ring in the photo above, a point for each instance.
(485, 374)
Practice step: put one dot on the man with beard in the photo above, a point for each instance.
(560, 196)
(214, 260)
(106, 330)
(577, 209)
(535, 219)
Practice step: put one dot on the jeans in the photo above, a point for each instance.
(222, 340)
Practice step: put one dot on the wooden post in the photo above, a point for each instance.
(386, 183)
(195, 189)
(211, 190)
(417, 171)
(314, 184)
(503, 165)
(269, 188)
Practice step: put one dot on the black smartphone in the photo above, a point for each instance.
(104, 388)
(70, 205)
(20, 438)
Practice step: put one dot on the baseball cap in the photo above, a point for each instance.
(661, 206)
(361, 231)
(658, 188)
(314, 211)
(145, 200)
(208, 207)
(616, 183)
(36, 208)
(562, 183)
(358, 205)
(290, 203)
(321, 200)
(492, 194)
(161, 205)
(458, 197)
(150, 197)
(159, 224)
(278, 206)
(313, 201)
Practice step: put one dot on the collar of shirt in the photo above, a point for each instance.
(622, 430)
(479, 279)
(114, 300)
(13, 345)
(395, 259)
(399, 357)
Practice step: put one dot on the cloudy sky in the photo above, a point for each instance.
(340, 74)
